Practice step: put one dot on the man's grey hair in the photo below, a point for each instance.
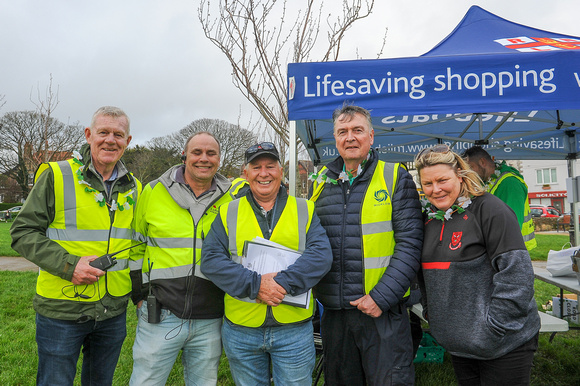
(111, 111)
(349, 111)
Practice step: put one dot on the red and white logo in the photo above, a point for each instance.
(527, 44)
(455, 241)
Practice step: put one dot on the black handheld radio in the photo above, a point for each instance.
(107, 261)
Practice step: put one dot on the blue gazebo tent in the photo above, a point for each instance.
(511, 88)
(492, 82)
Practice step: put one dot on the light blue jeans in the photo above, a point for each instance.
(290, 349)
(157, 345)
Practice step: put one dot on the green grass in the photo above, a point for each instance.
(555, 363)
(6, 240)
(547, 242)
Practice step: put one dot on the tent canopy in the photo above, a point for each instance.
(513, 89)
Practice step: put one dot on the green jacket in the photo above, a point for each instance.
(511, 190)
(29, 238)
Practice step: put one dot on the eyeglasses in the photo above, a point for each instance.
(260, 146)
(440, 148)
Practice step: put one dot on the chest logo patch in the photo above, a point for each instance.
(455, 241)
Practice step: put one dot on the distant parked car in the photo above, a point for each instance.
(544, 211)
(9, 214)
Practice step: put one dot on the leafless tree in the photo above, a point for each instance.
(45, 107)
(233, 139)
(149, 163)
(24, 138)
(260, 37)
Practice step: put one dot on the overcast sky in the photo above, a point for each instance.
(151, 58)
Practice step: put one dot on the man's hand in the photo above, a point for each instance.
(367, 306)
(270, 292)
(84, 273)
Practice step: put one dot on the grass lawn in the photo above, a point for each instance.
(5, 240)
(555, 363)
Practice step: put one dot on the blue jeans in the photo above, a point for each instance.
(290, 348)
(59, 344)
(157, 345)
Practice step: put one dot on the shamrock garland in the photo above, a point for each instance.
(345, 175)
(99, 198)
(462, 203)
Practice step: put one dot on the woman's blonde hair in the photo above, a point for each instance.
(443, 155)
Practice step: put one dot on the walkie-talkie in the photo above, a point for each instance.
(107, 261)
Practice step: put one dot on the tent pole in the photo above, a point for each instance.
(573, 205)
(293, 158)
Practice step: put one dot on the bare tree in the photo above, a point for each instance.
(257, 39)
(24, 138)
(149, 163)
(233, 139)
(45, 107)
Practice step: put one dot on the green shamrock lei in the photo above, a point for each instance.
(433, 212)
(345, 175)
(99, 197)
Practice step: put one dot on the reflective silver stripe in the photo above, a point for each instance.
(121, 265)
(529, 237)
(377, 227)
(232, 220)
(139, 237)
(236, 259)
(388, 176)
(121, 233)
(135, 265)
(527, 218)
(69, 196)
(302, 208)
(77, 234)
(173, 242)
(377, 262)
(168, 273)
(73, 234)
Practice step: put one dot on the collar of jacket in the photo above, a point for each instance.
(336, 165)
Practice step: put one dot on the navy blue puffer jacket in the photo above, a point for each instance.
(339, 207)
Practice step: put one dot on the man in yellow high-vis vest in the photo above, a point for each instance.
(372, 215)
(507, 184)
(78, 210)
(179, 309)
(259, 330)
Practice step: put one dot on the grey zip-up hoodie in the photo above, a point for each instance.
(189, 297)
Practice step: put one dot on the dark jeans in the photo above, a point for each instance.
(361, 350)
(512, 369)
(59, 344)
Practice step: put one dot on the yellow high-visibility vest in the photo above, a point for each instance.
(84, 228)
(378, 241)
(528, 223)
(240, 224)
(171, 242)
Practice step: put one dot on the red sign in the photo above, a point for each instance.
(548, 194)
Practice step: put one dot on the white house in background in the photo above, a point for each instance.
(546, 180)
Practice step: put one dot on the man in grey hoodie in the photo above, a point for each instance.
(179, 309)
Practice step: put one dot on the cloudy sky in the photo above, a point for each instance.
(151, 57)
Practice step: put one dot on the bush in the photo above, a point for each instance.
(545, 223)
(8, 205)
